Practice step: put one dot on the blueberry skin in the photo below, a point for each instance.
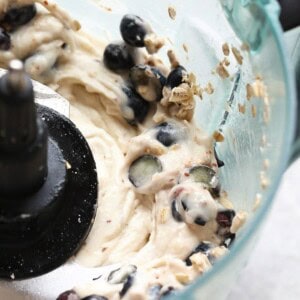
(133, 30)
(175, 78)
(5, 42)
(202, 247)
(127, 285)
(176, 215)
(117, 57)
(18, 16)
(166, 134)
(224, 218)
(150, 77)
(94, 297)
(139, 106)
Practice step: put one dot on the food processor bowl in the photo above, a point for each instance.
(258, 126)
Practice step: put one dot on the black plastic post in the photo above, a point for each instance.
(23, 135)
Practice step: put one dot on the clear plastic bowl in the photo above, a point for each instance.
(255, 152)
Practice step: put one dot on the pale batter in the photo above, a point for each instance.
(160, 213)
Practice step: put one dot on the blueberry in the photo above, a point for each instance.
(94, 297)
(133, 30)
(18, 16)
(166, 134)
(127, 285)
(68, 295)
(176, 215)
(147, 81)
(225, 217)
(4, 40)
(176, 77)
(202, 247)
(205, 175)
(219, 161)
(142, 169)
(117, 57)
(139, 106)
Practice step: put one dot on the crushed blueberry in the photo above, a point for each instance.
(166, 134)
(94, 297)
(127, 285)
(202, 247)
(147, 81)
(176, 77)
(139, 106)
(5, 41)
(225, 217)
(117, 57)
(220, 163)
(204, 174)
(68, 295)
(18, 16)
(142, 169)
(176, 215)
(133, 30)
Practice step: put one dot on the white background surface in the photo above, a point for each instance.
(273, 270)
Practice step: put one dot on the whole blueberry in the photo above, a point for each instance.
(117, 57)
(176, 77)
(133, 30)
(5, 42)
(139, 106)
(94, 297)
(166, 134)
(18, 16)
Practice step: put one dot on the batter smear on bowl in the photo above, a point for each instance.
(160, 216)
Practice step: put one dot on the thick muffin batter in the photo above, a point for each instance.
(161, 212)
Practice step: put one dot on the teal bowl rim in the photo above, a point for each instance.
(259, 216)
